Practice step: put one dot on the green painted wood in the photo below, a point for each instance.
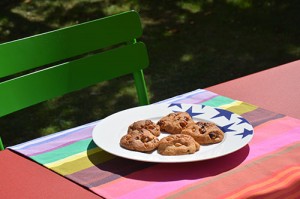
(141, 88)
(31, 52)
(1, 144)
(79, 56)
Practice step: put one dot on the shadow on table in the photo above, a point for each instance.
(120, 167)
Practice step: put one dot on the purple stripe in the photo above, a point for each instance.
(57, 142)
(198, 97)
(260, 116)
(107, 171)
(197, 100)
(50, 136)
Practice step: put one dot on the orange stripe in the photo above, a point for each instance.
(267, 187)
(279, 185)
(264, 183)
(273, 186)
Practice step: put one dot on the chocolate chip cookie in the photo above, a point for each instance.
(145, 124)
(139, 140)
(174, 123)
(204, 132)
(177, 144)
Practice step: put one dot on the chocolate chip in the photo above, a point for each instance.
(212, 135)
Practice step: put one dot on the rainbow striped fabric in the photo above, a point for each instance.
(268, 167)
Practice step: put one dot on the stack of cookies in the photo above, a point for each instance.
(185, 137)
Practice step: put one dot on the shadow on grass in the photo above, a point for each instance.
(192, 44)
(15, 26)
(220, 42)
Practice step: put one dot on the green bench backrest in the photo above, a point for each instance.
(80, 56)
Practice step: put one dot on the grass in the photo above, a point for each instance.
(191, 43)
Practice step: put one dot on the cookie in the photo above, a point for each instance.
(174, 123)
(145, 124)
(178, 144)
(139, 140)
(204, 132)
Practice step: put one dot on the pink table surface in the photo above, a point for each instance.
(23, 178)
(276, 89)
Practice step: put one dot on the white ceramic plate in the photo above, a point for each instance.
(238, 131)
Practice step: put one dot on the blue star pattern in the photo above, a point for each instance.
(191, 113)
(223, 113)
(202, 106)
(175, 104)
(243, 120)
(226, 128)
(245, 133)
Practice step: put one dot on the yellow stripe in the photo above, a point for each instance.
(267, 182)
(234, 103)
(80, 161)
(239, 107)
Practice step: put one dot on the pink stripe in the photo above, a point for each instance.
(273, 128)
(274, 143)
(157, 181)
(163, 187)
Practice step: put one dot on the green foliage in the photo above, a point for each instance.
(191, 43)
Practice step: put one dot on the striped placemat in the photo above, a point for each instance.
(268, 167)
